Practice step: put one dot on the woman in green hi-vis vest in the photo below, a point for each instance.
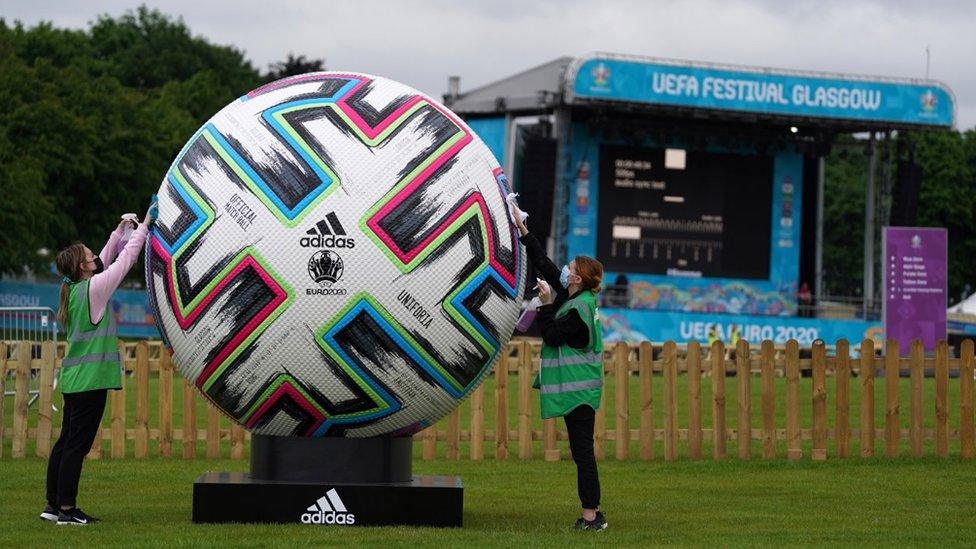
(571, 370)
(91, 364)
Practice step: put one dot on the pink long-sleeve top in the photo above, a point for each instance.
(103, 285)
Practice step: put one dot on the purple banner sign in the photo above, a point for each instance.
(915, 285)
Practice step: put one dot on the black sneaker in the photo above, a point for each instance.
(597, 524)
(50, 513)
(74, 516)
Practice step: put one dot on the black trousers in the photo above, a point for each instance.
(81, 419)
(579, 424)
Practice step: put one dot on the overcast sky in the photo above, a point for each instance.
(421, 42)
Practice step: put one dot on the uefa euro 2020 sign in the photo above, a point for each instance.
(334, 257)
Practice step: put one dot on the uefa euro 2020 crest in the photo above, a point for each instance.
(325, 268)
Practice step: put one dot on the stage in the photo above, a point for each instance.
(699, 186)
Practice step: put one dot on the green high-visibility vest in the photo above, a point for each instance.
(92, 359)
(570, 377)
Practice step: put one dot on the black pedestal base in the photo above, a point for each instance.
(347, 460)
(338, 481)
(236, 497)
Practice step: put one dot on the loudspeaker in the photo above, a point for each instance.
(536, 178)
(908, 182)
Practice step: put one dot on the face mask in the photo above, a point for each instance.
(99, 266)
(564, 276)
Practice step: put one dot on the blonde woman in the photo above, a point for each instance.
(91, 365)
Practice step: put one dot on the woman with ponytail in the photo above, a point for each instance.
(91, 364)
(571, 374)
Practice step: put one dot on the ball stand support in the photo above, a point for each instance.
(329, 481)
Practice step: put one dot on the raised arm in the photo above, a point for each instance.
(103, 285)
(533, 249)
(110, 250)
(544, 266)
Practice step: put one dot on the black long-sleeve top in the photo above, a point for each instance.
(568, 329)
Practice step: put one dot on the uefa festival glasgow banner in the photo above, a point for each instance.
(767, 91)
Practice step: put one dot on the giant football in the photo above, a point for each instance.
(334, 257)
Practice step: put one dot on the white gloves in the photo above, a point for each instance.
(513, 207)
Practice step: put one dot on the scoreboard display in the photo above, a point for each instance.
(684, 213)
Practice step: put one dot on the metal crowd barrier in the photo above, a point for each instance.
(31, 324)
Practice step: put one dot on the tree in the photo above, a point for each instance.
(146, 49)
(844, 183)
(947, 198)
(91, 120)
(27, 213)
(292, 66)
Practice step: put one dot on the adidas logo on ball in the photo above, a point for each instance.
(328, 509)
(327, 233)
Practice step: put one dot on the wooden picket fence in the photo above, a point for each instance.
(516, 368)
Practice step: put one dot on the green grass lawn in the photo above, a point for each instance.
(533, 503)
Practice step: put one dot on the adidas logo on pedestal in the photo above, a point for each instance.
(327, 233)
(328, 509)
